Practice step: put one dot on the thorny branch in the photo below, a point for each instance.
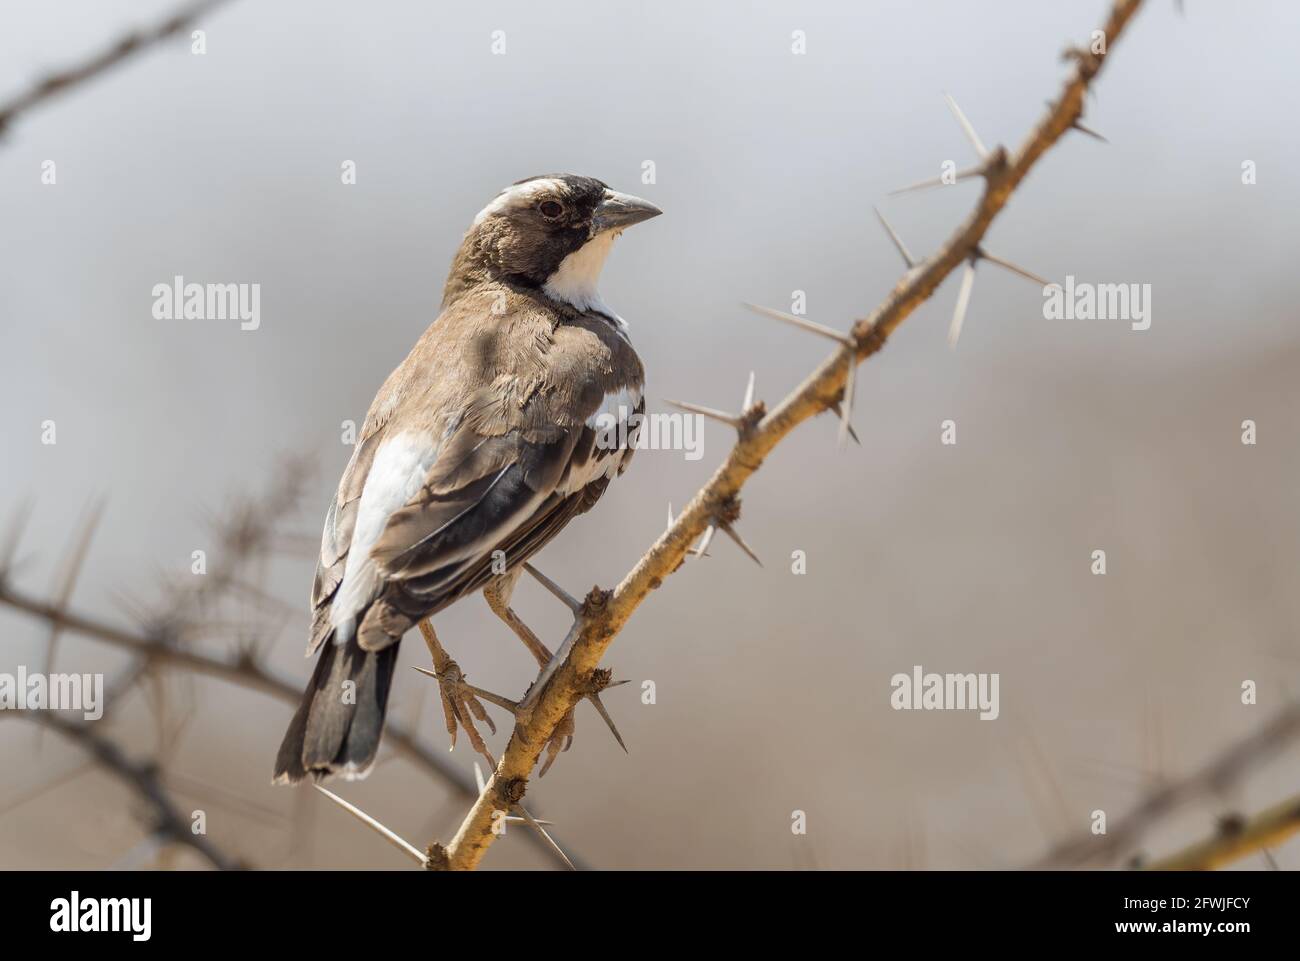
(573, 672)
(1225, 769)
(603, 614)
(245, 531)
(243, 671)
(169, 824)
(120, 50)
(1237, 838)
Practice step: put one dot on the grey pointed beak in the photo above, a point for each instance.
(617, 211)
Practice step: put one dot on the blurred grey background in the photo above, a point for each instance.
(773, 689)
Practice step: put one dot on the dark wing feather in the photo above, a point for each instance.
(517, 511)
(517, 397)
(431, 547)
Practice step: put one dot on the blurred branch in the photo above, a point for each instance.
(123, 49)
(168, 823)
(249, 528)
(1227, 768)
(574, 673)
(1237, 839)
(243, 671)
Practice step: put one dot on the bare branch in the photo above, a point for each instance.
(244, 672)
(1237, 839)
(122, 49)
(1228, 767)
(604, 613)
(141, 777)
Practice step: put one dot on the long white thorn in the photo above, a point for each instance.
(967, 128)
(1014, 268)
(838, 411)
(713, 414)
(749, 394)
(967, 174)
(703, 549)
(849, 377)
(599, 705)
(569, 601)
(963, 301)
(804, 323)
(740, 542)
(396, 841)
(898, 241)
(536, 825)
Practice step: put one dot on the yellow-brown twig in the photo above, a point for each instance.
(1236, 839)
(604, 613)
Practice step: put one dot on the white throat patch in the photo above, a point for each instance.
(574, 281)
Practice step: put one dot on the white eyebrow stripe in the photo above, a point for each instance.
(518, 195)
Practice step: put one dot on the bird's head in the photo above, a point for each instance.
(550, 233)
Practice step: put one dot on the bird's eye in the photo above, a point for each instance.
(551, 209)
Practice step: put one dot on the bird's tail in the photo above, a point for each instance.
(337, 726)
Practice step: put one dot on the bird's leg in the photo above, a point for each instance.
(460, 703)
(497, 593)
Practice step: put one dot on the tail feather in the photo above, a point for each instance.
(374, 679)
(337, 727)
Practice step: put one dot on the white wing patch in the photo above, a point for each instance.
(615, 441)
(400, 466)
(619, 405)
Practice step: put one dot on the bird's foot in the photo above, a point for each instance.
(498, 598)
(461, 705)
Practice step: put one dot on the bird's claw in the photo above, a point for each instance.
(461, 706)
(561, 740)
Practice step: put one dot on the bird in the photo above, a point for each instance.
(508, 418)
